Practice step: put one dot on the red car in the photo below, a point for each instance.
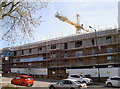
(23, 80)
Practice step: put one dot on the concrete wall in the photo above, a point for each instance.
(86, 43)
(26, 52)
(60, 46)
(43, 49)
(71, 45)
(19, 53)
(34, 51)
(48, 48)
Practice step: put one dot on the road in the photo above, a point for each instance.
(89, 87)
(100, 87)
(43, 84)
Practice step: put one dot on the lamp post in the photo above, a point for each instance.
(97, 53)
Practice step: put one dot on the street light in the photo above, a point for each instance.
(97, 53)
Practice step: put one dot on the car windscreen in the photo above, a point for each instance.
(29, 78)
(75, 76)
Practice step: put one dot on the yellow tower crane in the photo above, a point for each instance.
(77, 25)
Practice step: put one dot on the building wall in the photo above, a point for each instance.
(70, 52)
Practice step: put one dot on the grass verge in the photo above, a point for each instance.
(9, 87)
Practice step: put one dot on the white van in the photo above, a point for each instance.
(80, 78)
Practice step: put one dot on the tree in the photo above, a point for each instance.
(18, 18)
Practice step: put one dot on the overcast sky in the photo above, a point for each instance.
(99, 14)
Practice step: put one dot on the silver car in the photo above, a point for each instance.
(80, 78)
(113, 81)
(68, 84)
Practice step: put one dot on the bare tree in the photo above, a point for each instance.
(17, 18)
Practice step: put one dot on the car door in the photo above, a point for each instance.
(21, 80)
(114, 81)
(118, 82)
(17, 80)
(14, 81)
(59, 85)
(66, 84)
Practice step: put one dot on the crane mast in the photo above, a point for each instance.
(77, 25)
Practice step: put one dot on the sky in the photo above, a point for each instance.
(99, 14)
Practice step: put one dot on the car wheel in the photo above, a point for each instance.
(109, 85)
(29, 85)
(52, 87)
(11, 82)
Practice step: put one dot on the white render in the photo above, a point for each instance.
(34, 71)
(93, 72)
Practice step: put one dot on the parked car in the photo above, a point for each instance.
(113, 81)
(23, 80)
(80, 78)
(68, 84)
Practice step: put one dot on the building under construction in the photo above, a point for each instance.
(51, 58)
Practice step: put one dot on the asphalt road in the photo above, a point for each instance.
(89, 87)
(102, 86)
